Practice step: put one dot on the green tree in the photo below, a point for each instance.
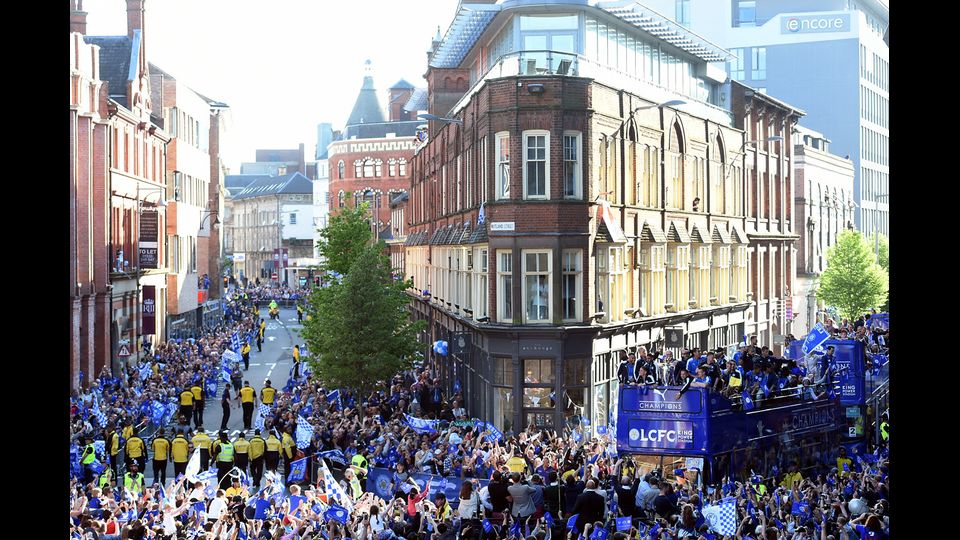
(881, 245)
(853, 282)
(359, 329)
(344, 237)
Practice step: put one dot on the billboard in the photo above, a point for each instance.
(148, 242)
(149, 310)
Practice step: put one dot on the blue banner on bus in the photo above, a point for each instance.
(653, 399)
(848, 358)
(660, 434)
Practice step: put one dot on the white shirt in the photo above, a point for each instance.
(217, 507)
(169, 523)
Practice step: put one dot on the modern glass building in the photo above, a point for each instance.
(828, 57)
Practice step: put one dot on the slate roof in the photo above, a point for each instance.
(366, 109)
(402, 84)
(417, 101)
(479, 235)
(406, 128)
(115, 52)
(241, 180)
(272, 185)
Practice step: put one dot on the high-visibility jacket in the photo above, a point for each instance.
(241, 446)
(180, 449)
(133, 483)
(289, 445)
(267, 394)
(885, 431)
(89, 454)
(161, 449)
(197, 392)
(105, 478)
(226, 452)
(257, 446)
(201, 440)
(186, 397)
(135, 447)
(247, 394)
(273, 444)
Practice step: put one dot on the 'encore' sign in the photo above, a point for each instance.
(806, 24)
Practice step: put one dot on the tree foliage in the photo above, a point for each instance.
(344, 237)
(882, 245)
(853, 282)
(359, 327)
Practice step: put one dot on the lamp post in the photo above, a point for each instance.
(214, 224)
(160, 204)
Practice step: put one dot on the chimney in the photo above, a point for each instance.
(134, 16)
(78, 17)
(302, 166)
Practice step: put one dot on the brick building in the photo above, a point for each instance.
(89, 210)
(136, 158)
(210, 242)
(370, 160)
(824, 206)
(621, 213)
(186, 116)
(771, 227)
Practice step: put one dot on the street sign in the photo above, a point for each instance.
(124, 351)
(274, 276)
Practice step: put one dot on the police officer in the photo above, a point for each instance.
(136, 451)
(186, 404)
(161, 454)
(885, 428)
(272, 454)
(245, 352)
(87, 457)
(257, 449)
(198, 401)
(133, 480)
(289, 448)
(224, 453)
(180, 452)
(260, 339)
(358, 463)
(106, 478)
(248, 397)
(241, 449)
(267, 393)
(202, 441)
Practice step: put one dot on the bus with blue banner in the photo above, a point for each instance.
(663, 427)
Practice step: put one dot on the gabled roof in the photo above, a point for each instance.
(698, 235)
(115, 54)
(677, 232)
(650, 232)
(720, 235)
(479, 235)
(738, 234)
(273, 185)
(402, 84)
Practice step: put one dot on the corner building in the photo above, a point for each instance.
(609, 170)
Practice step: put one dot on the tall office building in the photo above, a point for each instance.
(828, 57)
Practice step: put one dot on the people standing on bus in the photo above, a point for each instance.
(627, 372)
(702, 380)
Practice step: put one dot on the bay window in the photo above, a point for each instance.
(571, 284)
(502, 156)
(536, 285)
(571, 165)
(504, 286)
(536, 164)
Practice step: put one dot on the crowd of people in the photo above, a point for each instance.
(535, 484)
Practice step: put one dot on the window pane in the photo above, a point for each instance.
(537, 297)
(573, 405)
(503, 409)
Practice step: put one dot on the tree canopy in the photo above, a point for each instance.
(360, 329)
(853, 282)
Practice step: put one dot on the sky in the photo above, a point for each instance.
(283, 66)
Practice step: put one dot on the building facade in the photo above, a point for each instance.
(321, 186)
(771, 225)
(823, 183)
(828, 57)
(271, 222)
(136, 158)
(588, 195)
(370, 160)
(90, 266)
(210, 241)
(186, 117)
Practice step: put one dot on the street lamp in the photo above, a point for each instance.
(427, 116)
(742, 151)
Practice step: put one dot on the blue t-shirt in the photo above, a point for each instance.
(692, 365)
(705, 379)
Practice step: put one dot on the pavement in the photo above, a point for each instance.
(273, 363)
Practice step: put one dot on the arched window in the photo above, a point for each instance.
(368, 168)
(719, 193)
(676, 152)
(340, 169)
(340, 196)
(378, 168)
(358, 168)
(392, 166)
(403, 166)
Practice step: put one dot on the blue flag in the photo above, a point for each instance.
(815, 338)
(747, 401)
(335, 455)
(599, 533)
(487, 526)
(421, 425)
(549, 519)
(624, 523)
(515, 530)
(298, 470)
(572, 522)
(336, 513)
(334, 397)
(654, 530)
